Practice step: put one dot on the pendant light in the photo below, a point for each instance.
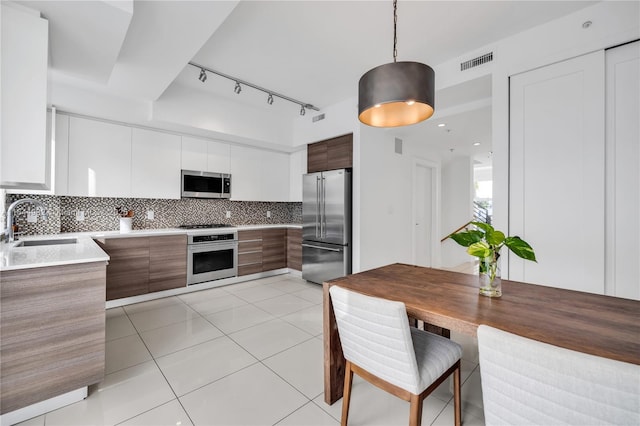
(397, 93)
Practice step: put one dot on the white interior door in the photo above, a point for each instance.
(425, 233)
(623, 175)
(556, 195)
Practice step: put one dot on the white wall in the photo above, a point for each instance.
(457, 207)
(613, 23)
(386, 208)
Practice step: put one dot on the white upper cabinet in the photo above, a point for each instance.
(259, 175)
(24, 150)
(297, 169)
(194, 154)
(246, 164)
(205, 155)
(99, 159)
(274, 176)
(155, 164)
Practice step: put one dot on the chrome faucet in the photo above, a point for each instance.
(9, 236)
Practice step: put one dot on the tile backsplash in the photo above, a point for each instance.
(99, 214)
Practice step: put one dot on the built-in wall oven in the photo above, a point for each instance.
(212, 254)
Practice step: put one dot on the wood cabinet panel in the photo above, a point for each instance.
(52, 323)
(316, 157)
(128, 270)
(330, 154)
(340, 152)
(274, 249)
(249, 269)
(249, 235)
(249, 252)
(167, 262)
(294, 249)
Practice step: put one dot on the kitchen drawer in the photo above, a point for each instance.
(249, 246)
(250, 258)
(248, 235)
(249, 269)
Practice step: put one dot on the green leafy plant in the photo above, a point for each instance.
(486, 243)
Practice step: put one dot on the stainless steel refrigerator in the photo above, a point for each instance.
(326, 225)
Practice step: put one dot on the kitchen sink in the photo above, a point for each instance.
(52, 242)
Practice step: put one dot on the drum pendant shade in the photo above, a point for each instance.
(396, 94)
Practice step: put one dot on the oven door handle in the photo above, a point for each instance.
(198, 248)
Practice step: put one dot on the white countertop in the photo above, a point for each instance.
(85, 250)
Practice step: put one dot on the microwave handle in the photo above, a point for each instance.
(318, 218)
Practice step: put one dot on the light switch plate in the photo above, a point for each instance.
(79, 215)
(228, 214)
(150, 215)
(268, 213)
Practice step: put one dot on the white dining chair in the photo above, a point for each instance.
(380, 347)
(529, 382)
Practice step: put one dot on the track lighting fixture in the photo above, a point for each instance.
(203, 75)
(238, 88)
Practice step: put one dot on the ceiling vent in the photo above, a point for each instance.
(487, 57)
(317, 118)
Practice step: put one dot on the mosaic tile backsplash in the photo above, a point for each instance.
(100, 213)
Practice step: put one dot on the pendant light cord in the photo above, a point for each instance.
(395, 24)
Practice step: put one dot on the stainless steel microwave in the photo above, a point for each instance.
(205, 184)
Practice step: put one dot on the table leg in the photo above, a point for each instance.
(334, 362)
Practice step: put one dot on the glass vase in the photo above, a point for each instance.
(490, 282)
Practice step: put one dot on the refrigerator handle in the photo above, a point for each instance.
(324, 209)
(318, 205)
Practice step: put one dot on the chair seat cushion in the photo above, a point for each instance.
(434, 355)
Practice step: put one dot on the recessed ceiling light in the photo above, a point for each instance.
(441, 125)
(476, 144)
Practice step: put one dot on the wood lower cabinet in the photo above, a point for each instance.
(128, 270)
(249, 252)
(140, 265)
(274, 249)
(294, 249)
(52, 323)
(167, 262)
(330, 154)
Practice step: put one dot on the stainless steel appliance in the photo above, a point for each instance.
(195, 184)
(212, 253)
(326, 225)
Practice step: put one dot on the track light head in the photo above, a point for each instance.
(270, 99)
(203, 75)
(303, 111)
(238, 88)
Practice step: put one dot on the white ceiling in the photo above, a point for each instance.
(313, 51)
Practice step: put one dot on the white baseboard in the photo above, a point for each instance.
(42, 407)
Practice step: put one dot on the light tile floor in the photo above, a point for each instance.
(245, 354)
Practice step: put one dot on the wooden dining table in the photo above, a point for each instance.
(599, 325)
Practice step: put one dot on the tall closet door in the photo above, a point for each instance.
(623, 175)
(556, 172)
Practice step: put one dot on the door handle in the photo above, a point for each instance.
(321, 248)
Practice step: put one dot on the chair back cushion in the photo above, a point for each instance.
(528, 382)
(375, 336)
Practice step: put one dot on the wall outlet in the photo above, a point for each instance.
(228, 214)
(150, 215)
(79, 215)
(268, 213)
(32, 217)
